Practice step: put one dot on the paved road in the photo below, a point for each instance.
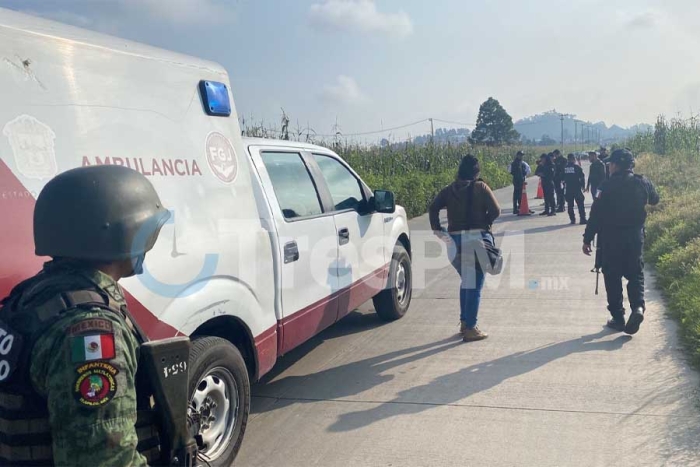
(550, 387)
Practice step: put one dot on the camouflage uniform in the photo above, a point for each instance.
(91, 402)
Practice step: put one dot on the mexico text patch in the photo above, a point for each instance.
(87, 325)
(96, 384)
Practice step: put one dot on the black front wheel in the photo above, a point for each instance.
(392, 303)
(219, 391)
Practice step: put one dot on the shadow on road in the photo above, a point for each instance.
(353, 323)
(354, 378)
(454, 387)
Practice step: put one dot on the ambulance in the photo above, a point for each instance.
(269, 242)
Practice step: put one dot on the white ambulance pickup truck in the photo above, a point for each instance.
(269, 242)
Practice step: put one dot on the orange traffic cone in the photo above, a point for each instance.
(540, 191)
(524, 207)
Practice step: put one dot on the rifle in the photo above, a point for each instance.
(598, 262)
(165, 362)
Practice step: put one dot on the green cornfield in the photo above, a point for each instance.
(670, 157)
(414, 172)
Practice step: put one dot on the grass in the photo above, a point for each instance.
(672, 161)
(415, 173)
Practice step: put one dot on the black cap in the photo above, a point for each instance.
(620, 156)
(520, 153)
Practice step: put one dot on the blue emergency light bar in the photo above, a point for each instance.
(215, 98)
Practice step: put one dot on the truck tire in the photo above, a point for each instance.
(219, 391)
(392, 303)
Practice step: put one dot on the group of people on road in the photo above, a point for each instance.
(616, 221)
(563, 182)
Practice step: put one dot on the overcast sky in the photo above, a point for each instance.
(377, 64)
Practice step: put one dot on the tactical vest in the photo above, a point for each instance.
(25, 433)
(518, 171)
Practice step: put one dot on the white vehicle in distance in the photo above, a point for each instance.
(269, 242)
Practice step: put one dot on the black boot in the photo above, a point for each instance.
(573, 221)
(584, 222)
(617, 324)
(634, 321)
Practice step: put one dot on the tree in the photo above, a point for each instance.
(493, 126)
(547, 141)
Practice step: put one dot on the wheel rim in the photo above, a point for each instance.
(402, 283)
(215, 399)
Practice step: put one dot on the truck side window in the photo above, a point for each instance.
(343, 185)
(294, 189)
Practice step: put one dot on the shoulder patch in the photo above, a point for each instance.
(87, 325)
(95, 384)
(92, 347)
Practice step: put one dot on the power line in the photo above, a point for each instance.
(454, 123)
(387, 130)
(375, 132)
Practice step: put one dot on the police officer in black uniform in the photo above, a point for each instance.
(559, 164)
(518, 171)
(617, 217)
(545, 170)
(575, 182)
(597, 173)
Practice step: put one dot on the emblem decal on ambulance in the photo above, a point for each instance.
(221, 157)
(32, 146)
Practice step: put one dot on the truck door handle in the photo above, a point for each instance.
(343, 236)
(291, 252)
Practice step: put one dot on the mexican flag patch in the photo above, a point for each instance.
(88, 348)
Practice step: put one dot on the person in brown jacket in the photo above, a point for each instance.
(471, 209)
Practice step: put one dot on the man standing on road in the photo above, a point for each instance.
(545, 170)
(519, 171)
(603, 157)
(596, 174)
(618, 217)
(575, 181)
(559, 164)
(70, 394)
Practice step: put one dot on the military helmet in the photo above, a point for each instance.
(99, 213)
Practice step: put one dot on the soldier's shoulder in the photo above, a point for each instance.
(75, 321)
(643, 180)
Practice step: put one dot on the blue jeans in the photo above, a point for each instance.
(463, 259)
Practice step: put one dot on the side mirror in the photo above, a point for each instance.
(384, 201)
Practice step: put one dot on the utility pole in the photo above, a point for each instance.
(432, 131)
(561, 117)
(575, 135)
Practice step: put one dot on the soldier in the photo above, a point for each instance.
(559, 164)
(575, 181)
(72, 365)
(618, 217)
(596, 174)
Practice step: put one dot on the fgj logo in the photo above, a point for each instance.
(221, 157)
(32, 144)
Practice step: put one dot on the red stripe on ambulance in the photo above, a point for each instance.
(17, 250)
